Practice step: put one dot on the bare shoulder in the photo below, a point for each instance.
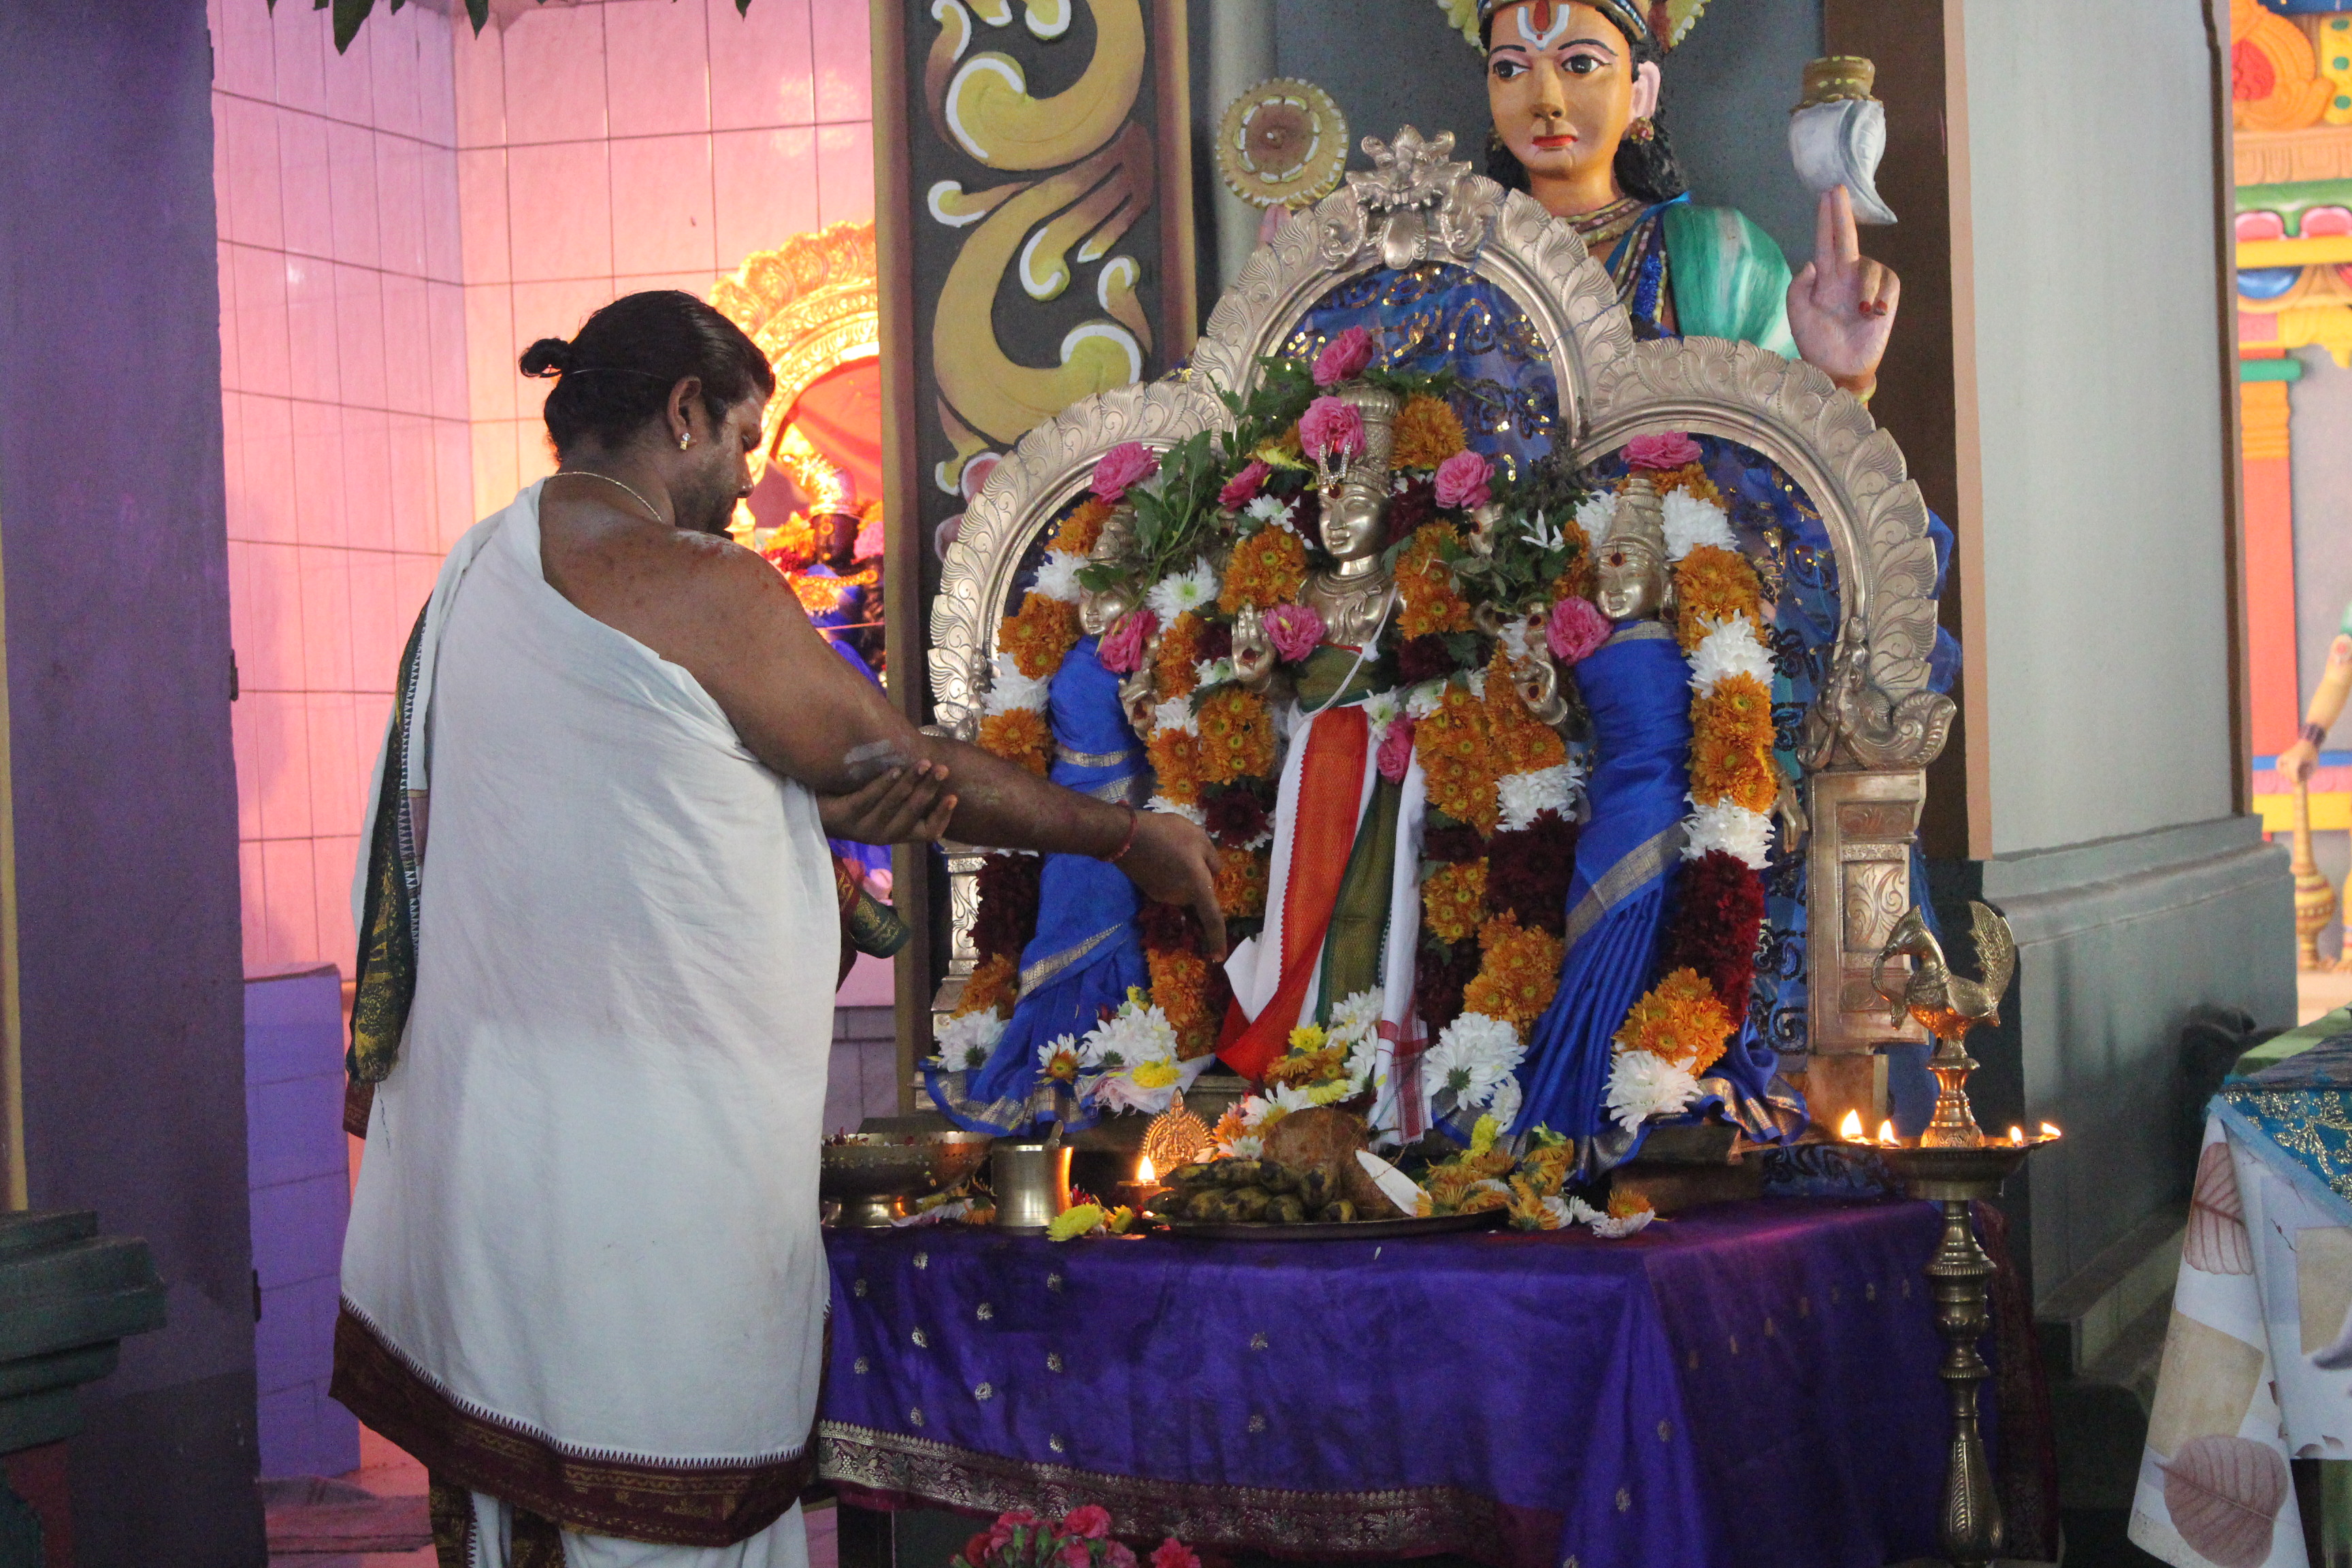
(674, 590)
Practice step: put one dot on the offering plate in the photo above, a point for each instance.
(874, 1176)
(1331, 1230)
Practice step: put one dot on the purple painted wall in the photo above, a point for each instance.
(112, 539)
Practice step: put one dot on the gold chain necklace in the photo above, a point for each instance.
(592, 473)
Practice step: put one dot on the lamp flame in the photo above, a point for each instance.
(2050, 1129)
(1849, 1130)
(2017, 1135)
(1887, 1135)
(1144, 1171)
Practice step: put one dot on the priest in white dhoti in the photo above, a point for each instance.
(583, 1282)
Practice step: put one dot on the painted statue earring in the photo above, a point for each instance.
(1641, 131)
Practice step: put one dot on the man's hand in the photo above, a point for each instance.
(1173, 861)
(2294, 763)
(903, 805)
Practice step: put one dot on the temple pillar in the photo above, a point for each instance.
(2269, 553)
(1240, 54)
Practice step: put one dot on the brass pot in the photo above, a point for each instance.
(874, 1176)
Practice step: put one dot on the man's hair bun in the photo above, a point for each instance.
(549, 356)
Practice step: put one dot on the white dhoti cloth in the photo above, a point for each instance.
(584, 1274)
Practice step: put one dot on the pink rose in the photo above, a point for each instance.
(1173, 1553)
(1122, 651)
(1576, 629)
(1242, 487)
(1006, 1524)
(1116, 1555)
(1331, 428)
(1296, 631)
(1672, 450)
(870, 540)
(1396, 753)
(1343, 357)
(1076, 1553)
(1129, 463)
(1089, 1521)
(1462, 480)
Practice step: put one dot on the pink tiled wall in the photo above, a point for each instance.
(622, 144)
(343, 400)
(396, 223)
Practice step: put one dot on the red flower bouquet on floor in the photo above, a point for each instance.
(1081, 1539)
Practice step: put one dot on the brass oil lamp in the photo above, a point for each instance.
(1954, 1163)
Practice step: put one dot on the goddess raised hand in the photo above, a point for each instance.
(1841, 306)
(1252, 649)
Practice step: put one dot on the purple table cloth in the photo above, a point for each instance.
(1752, 1384)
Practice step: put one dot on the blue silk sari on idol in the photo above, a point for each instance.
(1637, 687)
(1087, 950)
(848, 611)
(1442, 317)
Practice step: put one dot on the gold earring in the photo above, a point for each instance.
(684, 439)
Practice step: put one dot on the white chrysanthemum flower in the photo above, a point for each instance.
(1476, 681)
(1473, 1055)
(1730, 647)
(1191, 814)
(1289, 1097)
(1421, 701)
(1267, 509)
(1643, 1085)
(1193, 589)
(1593, 514)
(1254, 1108)
(1057, 576)
(1690, 522)
(1355, 1017)
(1555, 1215)
(1057, 1045)
(1505, 1105)
(1382, 707)
(966, 1042)
(1610, 1227)
(1213, 672)
(1248, 1146)
(1523, 796)
(1175, 717)
(1737, 831)
(1012, 690)
(1513, 635)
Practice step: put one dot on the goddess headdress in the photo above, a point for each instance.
(1666, 22)
(1638, 526)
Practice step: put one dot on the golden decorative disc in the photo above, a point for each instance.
(1175, 1137)
(1283, 143)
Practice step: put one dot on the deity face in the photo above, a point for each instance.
(1632, 581)
(1562, 86)
(1354, 525)
(1100, 610)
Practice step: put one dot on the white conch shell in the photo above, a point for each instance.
(1840, 143)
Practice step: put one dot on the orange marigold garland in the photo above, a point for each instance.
(1041, 636)
(1681, 1021)
(1180, 988)
(993, 987)
(1082, 530)
(1236, 736)
(1241, 883)
(1266, 569)
(1452, 744)
(1019, 735)
(1429, 601)
(1517, 742)
(1174, 665)
(1454, 900)
(1519, 974)
(1176, 759)
(1427, 432)
(1712, 585)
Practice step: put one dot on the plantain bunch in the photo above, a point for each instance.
(1251, 1192)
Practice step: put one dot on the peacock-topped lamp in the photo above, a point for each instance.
(1954, 1163)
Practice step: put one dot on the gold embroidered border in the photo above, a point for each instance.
(1645, 860)
(1414, 1522)
(1036, 976)
(1096, 758)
